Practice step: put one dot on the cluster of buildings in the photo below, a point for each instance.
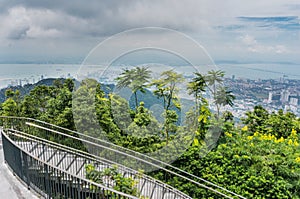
(272, 94)
(284, 98)
(31, 80)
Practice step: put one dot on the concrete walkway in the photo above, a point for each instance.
(10, 186)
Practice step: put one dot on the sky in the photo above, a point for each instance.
(61, 31)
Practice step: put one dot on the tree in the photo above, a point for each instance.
(89, 109)
(255, 118)
(9, 93)
(212, 81)
(9, 108)
(256, 166)
(228, 116)
(167, 90)
(213, 78)
(279, 124)
(142, 118)
(41, 94)
(144, 131)
(136, 79)
(196, 87)
(59, 108)
(223, 97)
(28, 107)
(69, 84)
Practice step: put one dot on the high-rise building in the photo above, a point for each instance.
(294, 101)
(284, 96)
(270, 97)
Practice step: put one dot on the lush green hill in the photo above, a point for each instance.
(25, 89)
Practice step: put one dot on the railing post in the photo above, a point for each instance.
(47, 181)
(25, 169)
(78, 189)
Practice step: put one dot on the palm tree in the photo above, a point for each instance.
(213, 78)
(136, 79)
(223, 97)
(196, 87)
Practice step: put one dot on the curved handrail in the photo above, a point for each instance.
(136, 155)
(59, 169)
(137, 158)
(90, 157)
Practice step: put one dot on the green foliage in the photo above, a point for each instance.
(142, 118)
(214, 77)
(136, 79)
(9, 93)
(224, 97)
(144, 125)
(254, 165)
(196, 87)
(111, 177)
(9, 108)
(203, 120)
(212, 81)
(260, 160)
(166, 88)
(279, 124)
(137, 130)
(48, 103)
(171, 118)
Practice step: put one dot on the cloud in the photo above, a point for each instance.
(254, 46)
(270, 19)
(17, 33)
(79, 18)
(294, 7)
(279, 22)
(103, 18)
(22, 23)
(248, 40)
(74, 25)
(274, 23)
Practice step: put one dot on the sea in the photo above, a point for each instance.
(16, 74)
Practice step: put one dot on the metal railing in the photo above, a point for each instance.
(49, 180)
(109, 152)
(73, 162)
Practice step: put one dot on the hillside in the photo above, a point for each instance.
(24, 90)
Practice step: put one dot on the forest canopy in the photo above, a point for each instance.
(258, 157)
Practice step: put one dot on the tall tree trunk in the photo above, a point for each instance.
(218, 112)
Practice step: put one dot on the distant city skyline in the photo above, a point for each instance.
(231, 31)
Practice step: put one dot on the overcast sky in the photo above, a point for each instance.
(233, 30)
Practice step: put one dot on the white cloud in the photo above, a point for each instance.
(254, 46)
(249, 40)
(28, 23)
(21, 22)
(78, 22)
